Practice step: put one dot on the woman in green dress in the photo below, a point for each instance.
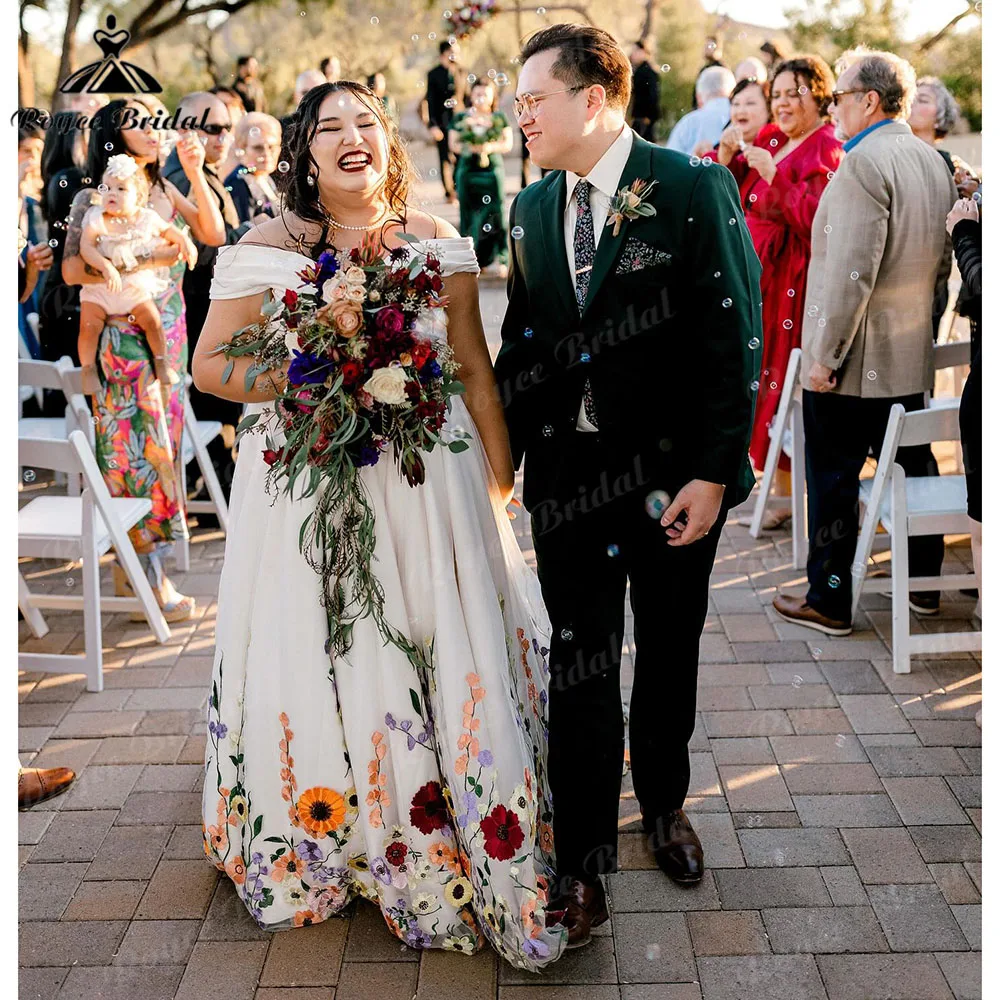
(479, 137)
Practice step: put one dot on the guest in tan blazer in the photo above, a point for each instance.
(878, 241)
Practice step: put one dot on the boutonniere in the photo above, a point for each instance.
(630, 203)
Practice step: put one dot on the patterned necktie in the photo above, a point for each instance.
(583, 257)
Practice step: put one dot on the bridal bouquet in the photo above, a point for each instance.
(365, 384)
(476, 134)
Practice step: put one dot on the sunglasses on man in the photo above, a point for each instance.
(211, 129)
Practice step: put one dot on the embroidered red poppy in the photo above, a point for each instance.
(396, 853)
(428, 811)
(503, 833)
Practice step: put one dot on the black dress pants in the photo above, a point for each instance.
(588, 545)
(839, 431)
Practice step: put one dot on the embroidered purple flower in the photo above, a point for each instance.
(534, 948)
(218, 729)
(485, 758)
(390, 721)
(309, 850)
(471, 814)
(256, 857)
(380, 871)
(416, 938)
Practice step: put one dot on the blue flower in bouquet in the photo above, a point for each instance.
(307, 368)
(368, 456)
(430, 370)
(326, 267)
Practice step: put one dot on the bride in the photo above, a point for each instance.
(423, 790)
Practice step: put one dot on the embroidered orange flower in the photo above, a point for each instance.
(321, 810)
(288, 865)
(236, 869)
(440, 853)
(304, 918)
(545, 837)
(218, 838)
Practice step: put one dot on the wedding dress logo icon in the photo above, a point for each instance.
(111, 75)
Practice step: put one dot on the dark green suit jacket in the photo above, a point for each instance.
(670, 333)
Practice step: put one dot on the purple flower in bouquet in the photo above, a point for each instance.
(369, 455)
(307, 368)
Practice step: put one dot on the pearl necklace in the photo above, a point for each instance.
(357, 229)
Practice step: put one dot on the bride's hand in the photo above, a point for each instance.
(513, 502)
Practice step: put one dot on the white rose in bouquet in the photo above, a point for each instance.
(386, 385)
(331, 287)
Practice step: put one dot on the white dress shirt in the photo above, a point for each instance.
(604, 178)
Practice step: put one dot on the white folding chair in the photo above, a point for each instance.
(787, 437)
(197, 435)
(36, 376)
(913, 506)
(80, 528)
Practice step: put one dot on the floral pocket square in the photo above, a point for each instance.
(637, 256)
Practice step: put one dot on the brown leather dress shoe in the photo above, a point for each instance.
(798, 612)
(36, 784)
(677, 848)
(581, 907)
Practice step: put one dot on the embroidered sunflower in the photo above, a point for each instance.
(321, 810)
(458, 892)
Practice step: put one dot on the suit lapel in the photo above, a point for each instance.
(551, 210)
(638, 165)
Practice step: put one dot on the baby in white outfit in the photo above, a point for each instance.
(113, 234)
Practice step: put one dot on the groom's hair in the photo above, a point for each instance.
(587, 56)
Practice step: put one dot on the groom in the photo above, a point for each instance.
(627, 373)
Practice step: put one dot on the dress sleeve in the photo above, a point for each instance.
(967, 239)
(793, 199)
(456, 253)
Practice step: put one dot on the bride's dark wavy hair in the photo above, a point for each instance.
(298, 132)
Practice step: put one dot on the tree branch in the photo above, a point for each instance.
(143, 30)
(576, 8)
(931, 42)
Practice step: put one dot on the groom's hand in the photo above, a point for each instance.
(701, 501)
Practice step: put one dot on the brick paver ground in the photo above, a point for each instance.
(839, 806)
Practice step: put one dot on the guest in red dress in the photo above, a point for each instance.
(749, 112)
(781, 177)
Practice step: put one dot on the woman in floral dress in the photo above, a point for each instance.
(418, 786)
(138, 442)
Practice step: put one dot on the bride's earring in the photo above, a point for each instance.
(310, 180)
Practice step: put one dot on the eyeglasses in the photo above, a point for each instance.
(530, 102)
(215, 129)
(838, 94)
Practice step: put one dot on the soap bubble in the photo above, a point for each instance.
(828, 229)
(872, 375)
(516, 233)
(486, 199)
(566, 635)
(53, 243)
(612, 550)
(753, 343)
(657, 502)
(283, 167)
(109, 146)
(726, 303)
(841, 741)
(29, 475)
(788, 324)
(374, 19)
(694, 161)
(63, 182)
(855, 275)
(665, 68)
(652, 952)
(833, 582)
(487, 228)
(796, 681)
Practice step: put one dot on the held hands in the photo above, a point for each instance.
(761, 161)
(820, 378)
(730, 144)
(113, 278)
(40, 256)
(700, 501)
(191, 153)
(964, 208)
(190, 251)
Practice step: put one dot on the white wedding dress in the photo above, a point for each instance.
(425, 794)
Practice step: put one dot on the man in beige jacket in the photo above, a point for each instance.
(878, 240)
